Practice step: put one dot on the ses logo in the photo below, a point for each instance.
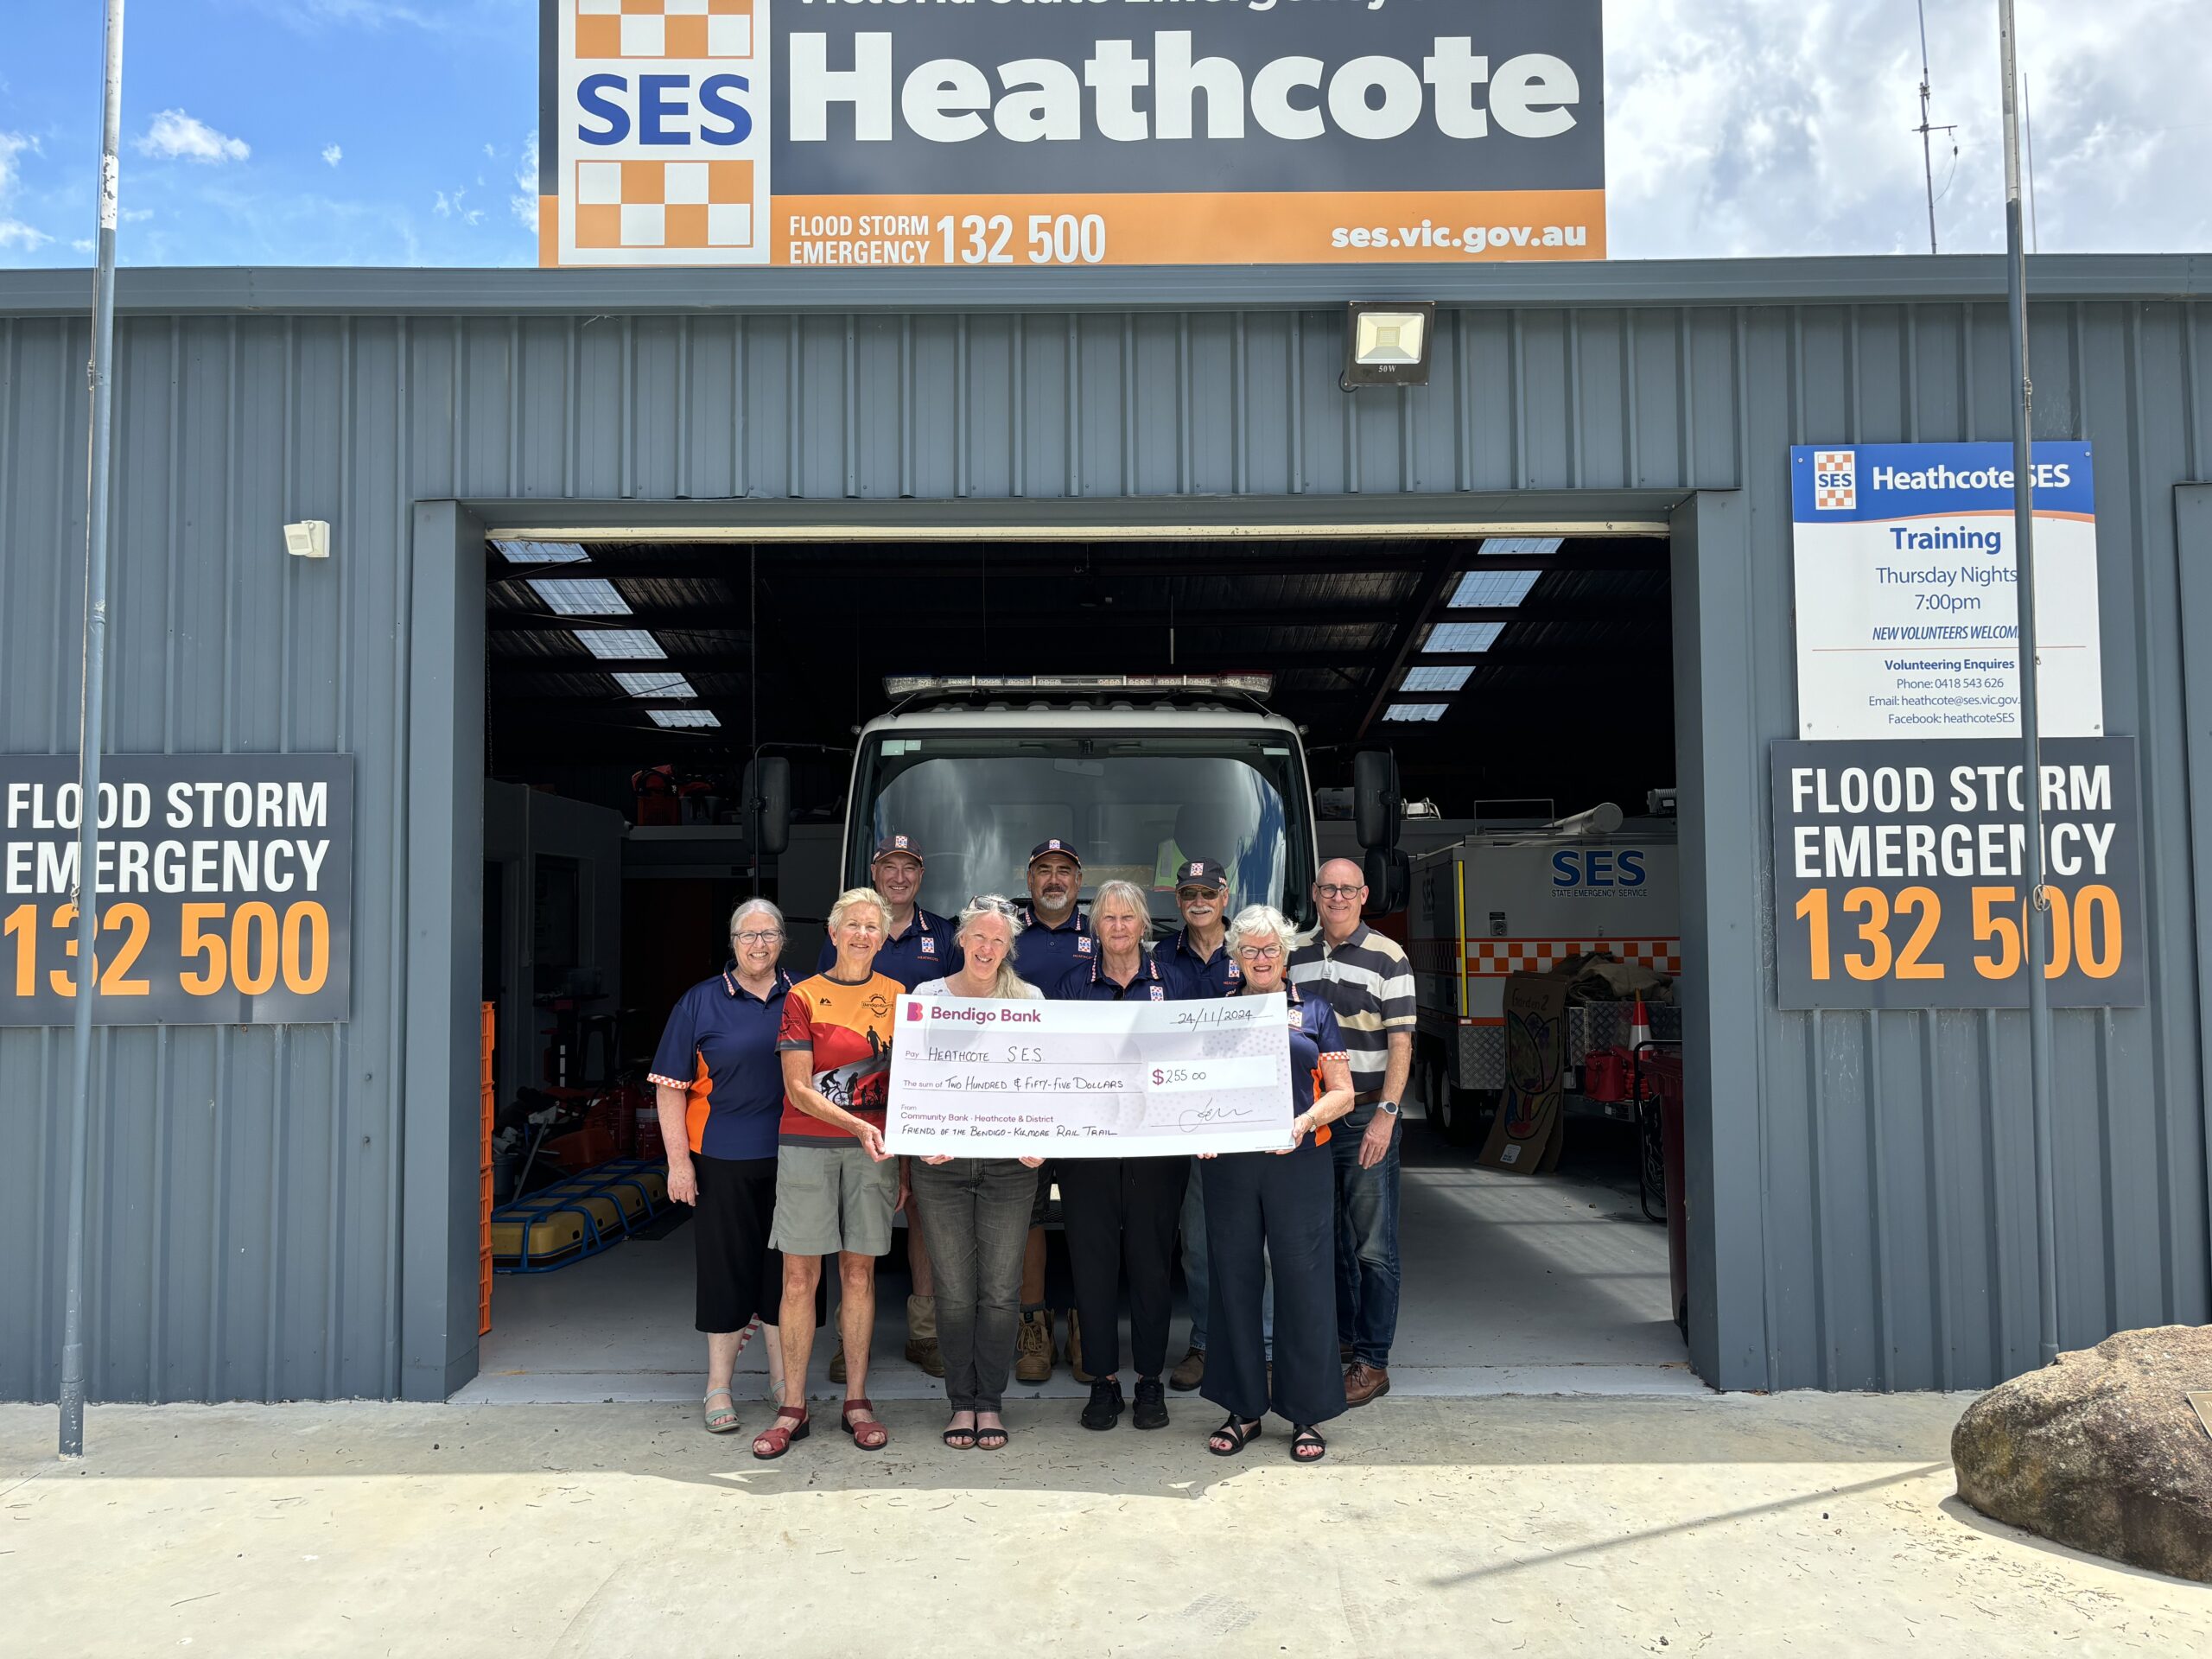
(663, 152)
(1835, 480)
(1579, 871)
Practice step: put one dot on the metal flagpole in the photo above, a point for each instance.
(88, 769)
(2039, 1059)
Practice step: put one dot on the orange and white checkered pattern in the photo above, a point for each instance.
(665, 29)
(664, 205)
(1842, 466)
(1495, 959)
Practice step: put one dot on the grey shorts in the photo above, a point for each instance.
(833, 1199)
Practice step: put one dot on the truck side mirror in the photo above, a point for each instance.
(1377, 804)
(1389, 877)
(768, 803)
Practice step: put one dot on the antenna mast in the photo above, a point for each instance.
(1927, 131)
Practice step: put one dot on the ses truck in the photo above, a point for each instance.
(1525, 899)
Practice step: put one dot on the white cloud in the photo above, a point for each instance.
(523, 203)
(454, 206)
(176, 136)
(1740, 127)
(332, 155)
(14, 232)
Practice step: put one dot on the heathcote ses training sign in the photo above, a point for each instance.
(1065, 132)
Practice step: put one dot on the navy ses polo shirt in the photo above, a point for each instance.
(719, 1047)
(1192, 978)
(1313, 1033)
(1044, 956)
(1088, 983)
(925, 951)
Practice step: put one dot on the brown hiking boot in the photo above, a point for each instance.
(1365, 1382)
(1075, 1351)
(837, 1364)
(1033, 1348)
(921, 1335)
(1189, 1372)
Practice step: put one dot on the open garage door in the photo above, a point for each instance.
(1517, 678)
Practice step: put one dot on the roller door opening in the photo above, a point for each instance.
(1518, 679)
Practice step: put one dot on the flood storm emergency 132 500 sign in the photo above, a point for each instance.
(1070, 132)
(225, 888)
(1902, 873)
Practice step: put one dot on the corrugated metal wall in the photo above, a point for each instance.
(242, 1224)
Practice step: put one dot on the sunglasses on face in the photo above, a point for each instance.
(1194, 895)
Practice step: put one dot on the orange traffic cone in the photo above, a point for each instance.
(1639, 1026)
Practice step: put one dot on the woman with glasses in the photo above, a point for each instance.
(719, 1088)
(976, 1210)
(1278, 1206)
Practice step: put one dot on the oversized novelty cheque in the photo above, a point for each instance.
(1090, 1079)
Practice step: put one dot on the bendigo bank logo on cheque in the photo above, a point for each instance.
(1069, 131)
(971, 1015)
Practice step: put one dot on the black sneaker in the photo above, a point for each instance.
(1152, 1405)
(1105, 1406)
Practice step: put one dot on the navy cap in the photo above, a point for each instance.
(905, 844)
(1203, 873)
(1064, 848)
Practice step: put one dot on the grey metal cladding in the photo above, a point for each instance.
(243, 1214)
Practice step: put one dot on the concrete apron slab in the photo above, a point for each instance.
(1713, 1526)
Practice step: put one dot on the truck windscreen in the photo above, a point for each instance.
(1135, 808)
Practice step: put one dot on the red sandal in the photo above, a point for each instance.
(791, 1425)
(869, 1437)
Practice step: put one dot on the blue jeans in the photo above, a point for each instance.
(1367, 1241)
(1197, 1276)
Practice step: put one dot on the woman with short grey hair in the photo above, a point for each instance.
(1120, 1213)
(1278, 1206)
(976, 1210)
(719, 1087)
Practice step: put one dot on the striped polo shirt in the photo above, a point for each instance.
(1370, 984)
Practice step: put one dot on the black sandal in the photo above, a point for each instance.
(1302, 1437)
(992, 1440)
(960, 1440)
(1239, 1431)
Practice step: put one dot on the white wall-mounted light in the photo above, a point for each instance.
(308, 539)
(1389, 344)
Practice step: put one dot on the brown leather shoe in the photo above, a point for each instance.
(1189, 1372)
(1365, 1382)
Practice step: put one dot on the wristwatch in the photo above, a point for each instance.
(1389, 1106)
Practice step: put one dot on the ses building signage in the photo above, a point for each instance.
(1907, 607)
(1902, 872)
(225, 885)
(1063, 132)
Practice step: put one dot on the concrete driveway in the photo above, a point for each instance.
(1715, 1525)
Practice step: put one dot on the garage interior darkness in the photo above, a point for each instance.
(1517, 679)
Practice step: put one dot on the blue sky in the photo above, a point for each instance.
(358, 119)
(362, 132)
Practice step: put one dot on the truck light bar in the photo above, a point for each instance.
(909, 685)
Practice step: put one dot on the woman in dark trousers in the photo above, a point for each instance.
(719, 1088)
(1278, 1206)
(976, 1210)
(1121, 1212)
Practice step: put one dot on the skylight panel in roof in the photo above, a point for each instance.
(1524, 547)
(1434, 679)
(1497, 588)
(655, 685)
(672, 719)
(542, 552)
(1462, 636)
(1410, 712)
(621, 645)
(579, 595)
